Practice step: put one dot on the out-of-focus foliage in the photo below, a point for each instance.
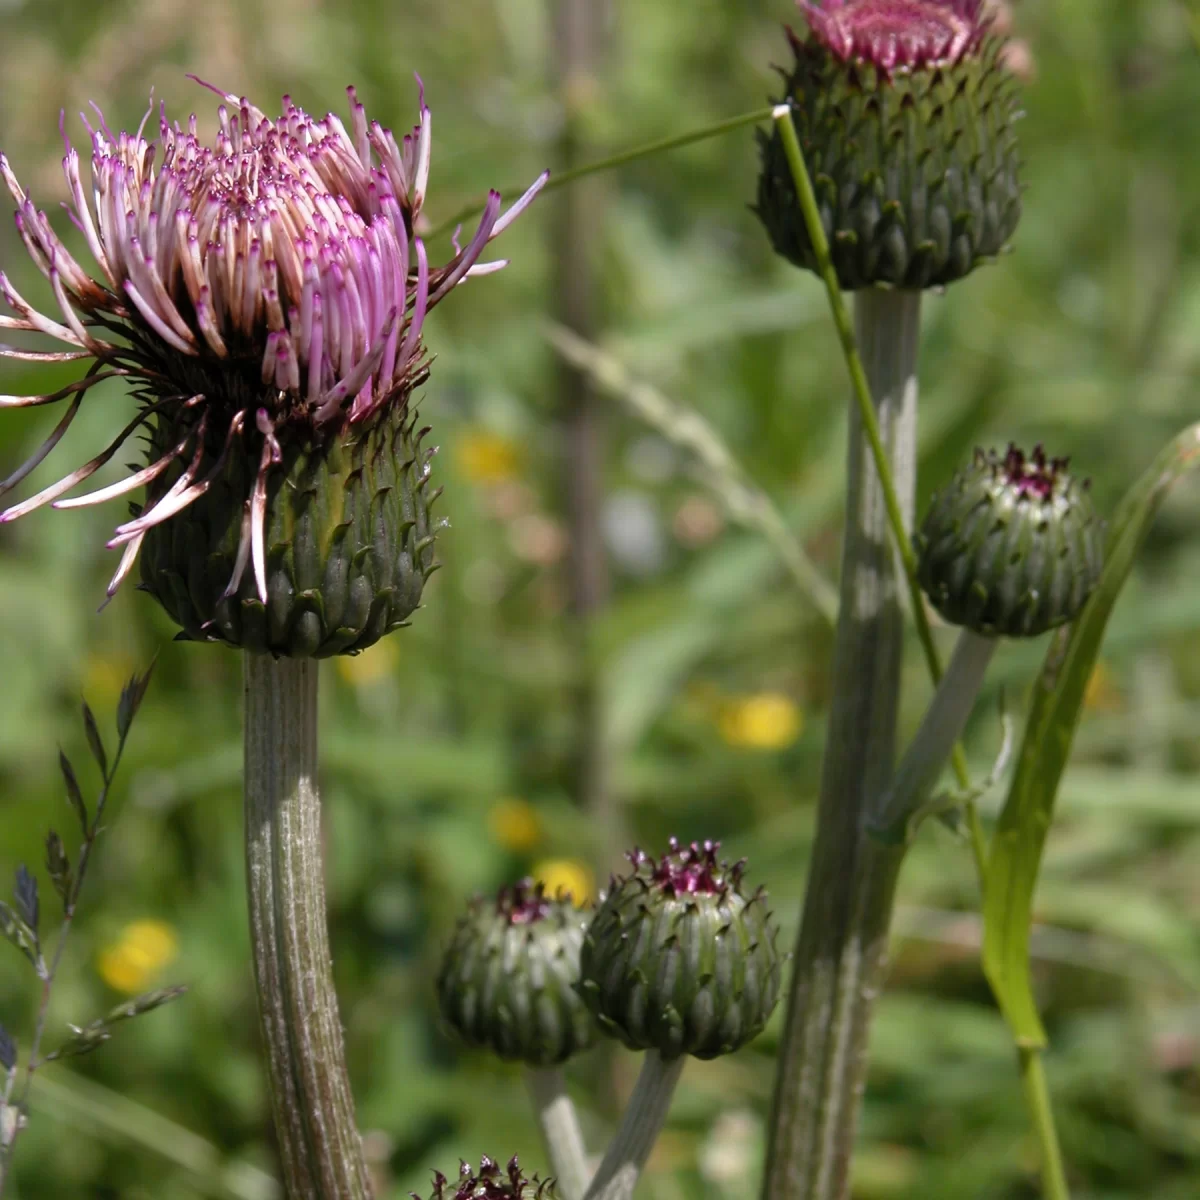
(446, 749)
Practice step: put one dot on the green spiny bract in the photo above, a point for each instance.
(508, 978)
(677, 959)
(1012, 547)
(905, 113)
(347, 541)
(489, 1184)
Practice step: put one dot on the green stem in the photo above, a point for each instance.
(319, 1146)
(925, 759)
(618, 1173)
(559, 1123)
(1037, 1096)
(841, 952)
(646, 150)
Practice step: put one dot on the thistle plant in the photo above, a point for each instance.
(264, 299)
(892, 167)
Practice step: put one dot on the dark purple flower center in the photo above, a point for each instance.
(523, 903)
(489, 1184)
(692, 870)
(897, 34)
(1032, 474)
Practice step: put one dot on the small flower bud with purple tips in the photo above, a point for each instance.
(509, 976)
(678, 958)
(489, 1183)
(1012, 546)
(264, 297)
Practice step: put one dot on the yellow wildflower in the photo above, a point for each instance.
(133, 961)
(515, 824)
(762, 721)
(363, 670)
(488, 458)
(563, 877)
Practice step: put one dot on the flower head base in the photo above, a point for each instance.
(265, 297)
(1012, 547)
(678, 959)
(905, 113)
(508, 978)
(490, 1183)
(897, 34)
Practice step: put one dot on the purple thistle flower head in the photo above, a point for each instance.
(262, 293)
(490, 1183)
(898, 34)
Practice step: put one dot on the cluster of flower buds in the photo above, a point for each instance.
(264, 299)
(1012, 546)
(489, 1183)
(905, 110)
(677, 958)
(509, 977)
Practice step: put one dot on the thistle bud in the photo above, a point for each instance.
(678, 959)
(509, 976)
(264, 298)
(905, 112)
(489, 1183)
(1012, 546)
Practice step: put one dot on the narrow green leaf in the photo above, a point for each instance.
(25, 892)
(1016, 850)
(132, 696)
(85, 1039)
(58, 866)
(95, 741)
(74, 795)
(19, 933)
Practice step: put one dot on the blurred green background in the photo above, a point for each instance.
(448, 750)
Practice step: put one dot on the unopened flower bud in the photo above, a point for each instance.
(1012, 546)
(679, 959)
(509, 976)
(906, 114)
(490, 1182)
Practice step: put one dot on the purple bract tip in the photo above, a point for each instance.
(691, 870)
(524, 902)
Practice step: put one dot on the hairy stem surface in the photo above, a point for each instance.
(559, 1123)
(319, 1146)
(841, 951)
(621, 1167)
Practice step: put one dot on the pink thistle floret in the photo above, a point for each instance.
(896, 35)
(270, 282)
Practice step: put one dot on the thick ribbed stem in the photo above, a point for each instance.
(319, 1146)
(559, 1123)
(618, 1173)
(840, 955)
(579, 37)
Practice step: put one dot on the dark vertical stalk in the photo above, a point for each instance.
(841, 953)
(579, 215)
(319, 1146)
